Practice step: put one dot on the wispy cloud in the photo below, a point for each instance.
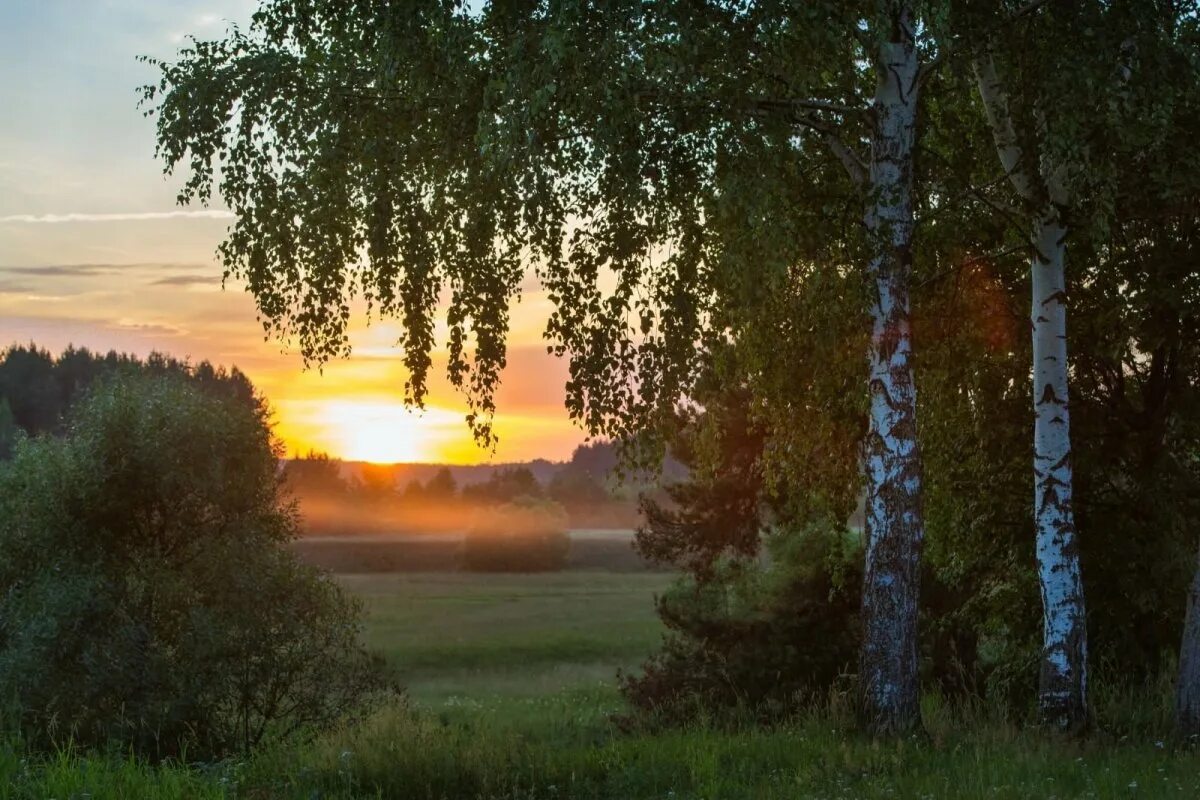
(186, 281)
(124, 216)
(62, 270)
(150, 328)
(84, 270)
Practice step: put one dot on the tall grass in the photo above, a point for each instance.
(68, 774)
(563, 747)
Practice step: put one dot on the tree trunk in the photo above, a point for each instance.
(1062, 683)
(894, 528)
(1062, 691)
(1187, 690)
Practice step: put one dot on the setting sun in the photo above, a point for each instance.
(378, 431)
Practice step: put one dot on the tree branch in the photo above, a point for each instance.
(970, 262)
(810, 105)
(855, 167)
(1004, 134)
(931, 66)
(803, 113)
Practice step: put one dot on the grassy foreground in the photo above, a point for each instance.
(561, 747)
(512, 689)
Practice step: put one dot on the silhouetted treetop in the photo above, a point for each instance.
(39, 387)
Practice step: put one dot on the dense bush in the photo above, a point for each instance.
(147, 595)
(755, 639)
(526, 535)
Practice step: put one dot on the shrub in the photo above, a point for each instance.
(526, 535)
(147, 595)
(754, 639)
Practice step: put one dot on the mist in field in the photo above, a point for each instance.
(361, 499)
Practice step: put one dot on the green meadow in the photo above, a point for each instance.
(464, 638)
(511, 693)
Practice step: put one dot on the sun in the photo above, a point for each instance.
(382, 433)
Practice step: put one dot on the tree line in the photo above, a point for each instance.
(37, 388)
(742, 200)
(317, 473)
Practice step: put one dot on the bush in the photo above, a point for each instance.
(527, 535)
(755, 640)
(147, 594)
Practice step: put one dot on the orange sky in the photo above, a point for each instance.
(352, 408)
(94, 252)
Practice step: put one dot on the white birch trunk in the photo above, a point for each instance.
(1062, 692)
(1187, 689)
(894, 528)
(1062, 686)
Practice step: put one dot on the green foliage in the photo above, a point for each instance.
(147, 595)
(757, 641)
(718, 511)
(1125, 131)
(624, 150)
(499, 728)
(526, 535)
(8, 429)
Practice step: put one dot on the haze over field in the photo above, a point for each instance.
(94, 251)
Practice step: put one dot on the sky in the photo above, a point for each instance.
(95, 252)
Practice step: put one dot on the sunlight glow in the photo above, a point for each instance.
(382, 432)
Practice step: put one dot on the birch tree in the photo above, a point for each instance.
(1039, 181)
(1062, 145)
(402, 149)
(894, 525)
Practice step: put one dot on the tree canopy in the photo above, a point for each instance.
(729, 199)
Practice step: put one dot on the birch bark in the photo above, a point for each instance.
(1187, 690)
(894, 527)
(1062, 682)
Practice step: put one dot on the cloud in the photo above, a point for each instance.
(61, 270)
(150, 328)
(186, 281)
(129, 216)
(14, 287)
(86, 270)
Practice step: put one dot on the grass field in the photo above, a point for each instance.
(469, 637)
(511, 687)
